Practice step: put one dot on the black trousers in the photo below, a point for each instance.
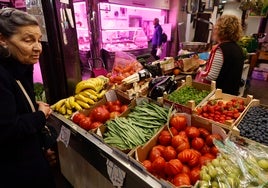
(153, 52)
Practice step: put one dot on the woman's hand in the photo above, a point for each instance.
(44, 107)
(51, 157)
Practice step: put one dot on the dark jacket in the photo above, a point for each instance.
(229, 78)
(22, 159)
(157, 39)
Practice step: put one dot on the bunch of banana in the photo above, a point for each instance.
(87, 93)
(96, 84)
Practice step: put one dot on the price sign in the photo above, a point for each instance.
(117, 175)
(64, 135)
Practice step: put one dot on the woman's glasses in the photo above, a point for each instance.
(6, 12)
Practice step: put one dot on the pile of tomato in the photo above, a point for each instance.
(220, 111)
(181, 152)
(99, 115)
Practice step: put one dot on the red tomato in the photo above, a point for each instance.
(159, 164)
(179, 122)
(164, 138)
(197, 143)
(183, 146)
(78, 117)
(109, 104)
(205, 149)
(210, 138)
(173, 167)
(124, 108)
(115, 114)
(185, 169)
(211, 156)
(169, 153)
(115, 108)
(203, 132)
(100, 114)
(160, 148)
(192, 132)
(95, 125)
(189, 156)
(178, 140)
(117, 102)
(203, 160)
(148, 165)
(85, 123)
(214, 150)
(174, 131)
(155, 152)
(183, 134)
(181, 179)
(205, 108)
(195, 175)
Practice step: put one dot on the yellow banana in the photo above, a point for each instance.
(59, 104)
(67, 104)
(90, 101)
(101, 94)
(86, 85)
(83, 104)
(69, 112)
(62, 109)
(67, 116)
(91, 91)
(87, 94)
(80, 97)
(72, 101)
(77, 106)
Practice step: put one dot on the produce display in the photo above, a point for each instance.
(187, 93)
(99, 115)
(254, 124)
(87, 93)
(222, 111)
(181, 152)
(137, 128)
(236, 166)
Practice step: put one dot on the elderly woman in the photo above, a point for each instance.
(226, 61)
(23, 163)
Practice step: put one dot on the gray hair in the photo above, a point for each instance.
(11, 19)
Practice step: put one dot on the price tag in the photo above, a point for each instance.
(64, 135)
(111, 95)
(117, 176)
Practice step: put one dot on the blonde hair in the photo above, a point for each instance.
(229, 28)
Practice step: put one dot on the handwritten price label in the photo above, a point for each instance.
(117, 176)
(64, 135)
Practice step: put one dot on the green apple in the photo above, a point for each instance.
(263, 163)
(203, 184)
(205, 176)
(214, 184)
(215, 162)
(212, 171)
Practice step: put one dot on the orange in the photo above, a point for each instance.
(176, 72)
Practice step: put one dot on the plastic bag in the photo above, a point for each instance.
(158, 52)
(125, 64)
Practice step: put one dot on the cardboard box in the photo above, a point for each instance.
(229, 124)
(263, 55)
(142, 152)
(259, 74)
(190, 106)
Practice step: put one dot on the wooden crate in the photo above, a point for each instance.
(190, 106)
(229, 124)
(142, 152)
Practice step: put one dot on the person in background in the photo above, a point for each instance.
(156, 40)
(23, 160)
(226, 61)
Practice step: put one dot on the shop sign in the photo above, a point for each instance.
(117, 175)
(64, 135)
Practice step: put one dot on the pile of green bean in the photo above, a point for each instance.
(137, 128)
